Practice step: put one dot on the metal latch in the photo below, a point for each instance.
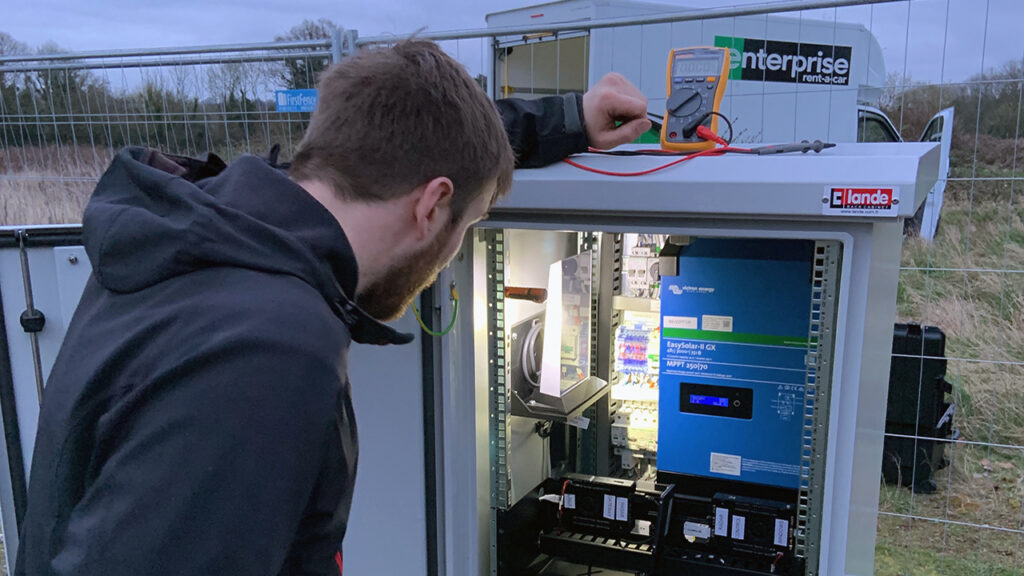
(32, 320)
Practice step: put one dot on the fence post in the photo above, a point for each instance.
(348, 45)
(337, 38)
(343, 43)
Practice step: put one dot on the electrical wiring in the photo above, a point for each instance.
(561, 502)
(776, 561)
(728, 141)
(708, 152)
(706, 134)
(680, 156)
(455, 315)
(641, 152)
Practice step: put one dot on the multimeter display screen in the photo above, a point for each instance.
(697, 67)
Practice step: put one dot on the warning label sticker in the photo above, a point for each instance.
(864, 201)
(726, 464)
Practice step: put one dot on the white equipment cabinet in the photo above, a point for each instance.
(491, 457)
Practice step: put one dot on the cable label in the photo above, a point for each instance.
(721, 521)
(739, 527)
(781, 532)
(609, 506)
(621, 509)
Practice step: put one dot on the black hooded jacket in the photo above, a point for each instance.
(198, 417)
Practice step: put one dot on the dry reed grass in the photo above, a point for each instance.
(49, 185)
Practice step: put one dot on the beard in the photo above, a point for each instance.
(387, 298)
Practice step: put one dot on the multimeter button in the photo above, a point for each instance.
(711, 78)
(691, 79)
(709, 86)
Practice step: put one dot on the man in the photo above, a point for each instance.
(198, 419)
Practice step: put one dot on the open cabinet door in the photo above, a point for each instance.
(939, 129)
(43, 269)
(49, 264)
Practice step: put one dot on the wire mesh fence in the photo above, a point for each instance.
(61, 120)
(969, 283)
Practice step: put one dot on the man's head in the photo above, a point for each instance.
(412, 152)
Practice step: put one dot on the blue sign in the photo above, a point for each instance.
(296, 100)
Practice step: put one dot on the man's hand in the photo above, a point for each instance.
(613, 100)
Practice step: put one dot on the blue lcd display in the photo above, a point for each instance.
(709, 400)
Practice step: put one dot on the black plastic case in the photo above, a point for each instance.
(918, 406)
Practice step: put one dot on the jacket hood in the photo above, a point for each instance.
(153, 217)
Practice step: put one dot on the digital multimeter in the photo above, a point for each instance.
(696, 84)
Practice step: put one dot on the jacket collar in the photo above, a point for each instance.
(366, 329)
(324, 236)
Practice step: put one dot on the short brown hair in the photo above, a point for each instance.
(391, 119)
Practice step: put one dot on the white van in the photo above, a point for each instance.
(791, 78)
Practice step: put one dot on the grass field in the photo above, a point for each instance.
(982, 313)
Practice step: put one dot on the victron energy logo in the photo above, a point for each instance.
(777, 61)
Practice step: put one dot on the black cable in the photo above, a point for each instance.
(671, 153)
(692, 127)
(639, 152)
(666, 153)
(728, 141)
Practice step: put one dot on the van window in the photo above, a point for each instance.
(872, 128)
(933, 133)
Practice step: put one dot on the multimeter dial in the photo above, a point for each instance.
(684, 102)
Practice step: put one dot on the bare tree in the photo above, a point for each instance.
(224, 80)
(304, 72)
(9, 46)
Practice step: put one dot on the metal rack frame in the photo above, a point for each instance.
(824, 300)
(499, 397)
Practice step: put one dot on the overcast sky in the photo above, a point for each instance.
(947, 39)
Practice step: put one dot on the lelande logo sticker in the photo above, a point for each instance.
(841, 201)
(777, 61)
